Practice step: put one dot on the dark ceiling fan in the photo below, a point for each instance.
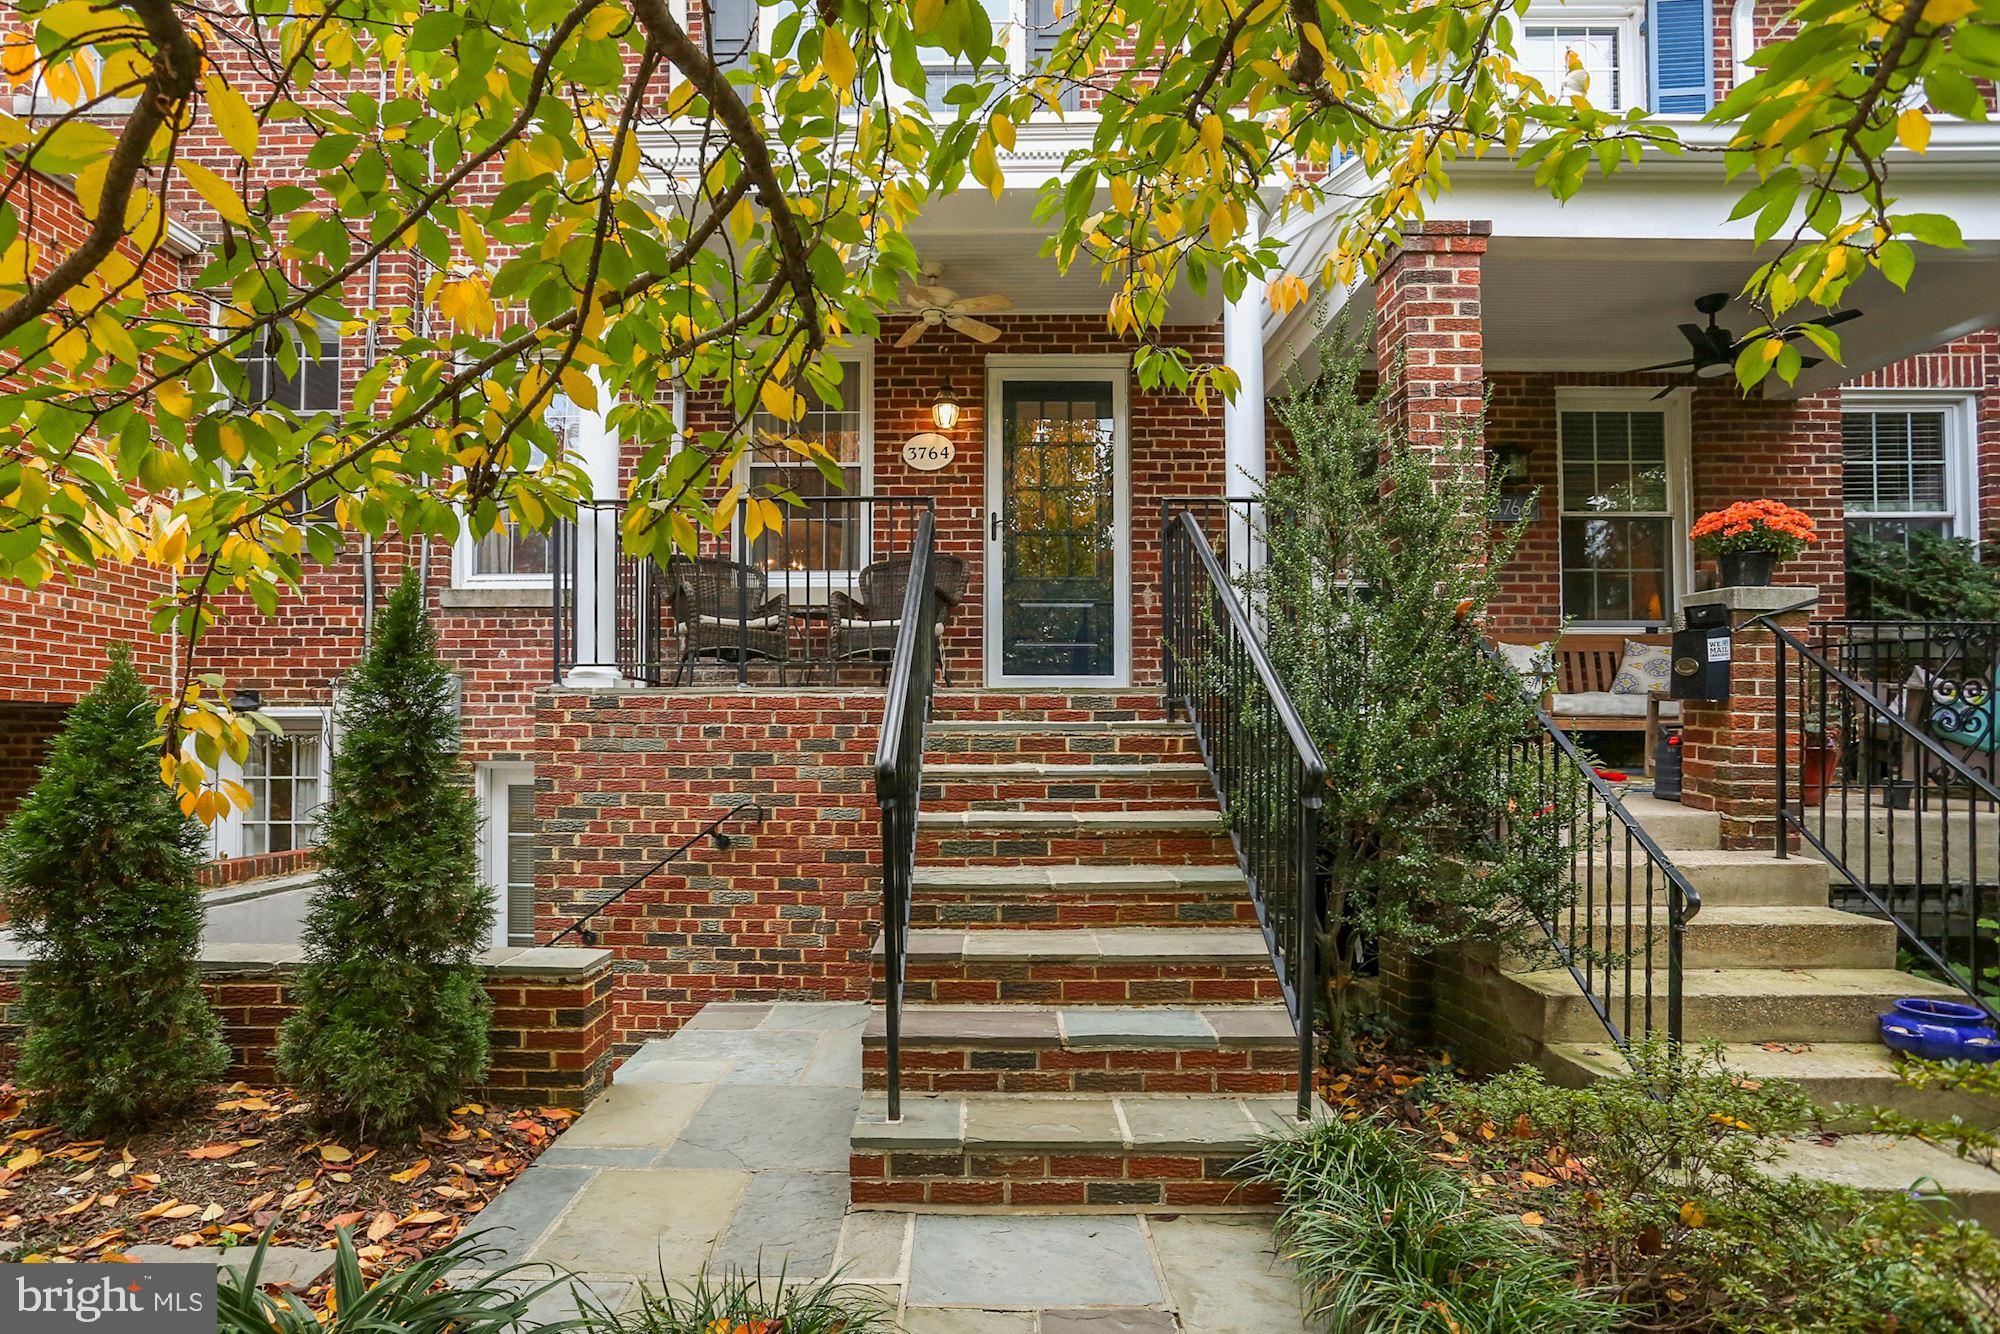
(1715, 348)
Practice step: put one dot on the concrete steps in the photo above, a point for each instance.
(1122, 967)
(1737, 937)
(1081, 897)
(1723, 878)
(1721, 1004)
(1833, 1074)
(1095, 1049)
(1674, 827)
(1125, 1152)
(1887, 1165)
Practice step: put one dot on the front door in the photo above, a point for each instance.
(1058, 526)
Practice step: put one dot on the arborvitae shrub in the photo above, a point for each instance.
(97, 870)
(390, 1029)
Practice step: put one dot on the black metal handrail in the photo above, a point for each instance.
(711, 830)
(899, 774)
(1607, 928)
(1268, 773)
(785, 604)
(1871, 778)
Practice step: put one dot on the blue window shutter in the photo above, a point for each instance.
(1680, 46)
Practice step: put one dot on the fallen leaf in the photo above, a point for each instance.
(333, 1153)
(411, 1173)
(1531, 1219)
(381, 1225)
(223, 1150)
(24, 1160)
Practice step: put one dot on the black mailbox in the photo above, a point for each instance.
(1701, 654)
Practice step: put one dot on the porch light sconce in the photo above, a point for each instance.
(944, 408)
(246, 701)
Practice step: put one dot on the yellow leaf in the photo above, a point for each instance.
(411, 1173)
(217, 192)
(1003, 131)
(24, 1160)
(233, 117)
(1941, 12)
(1532, 1219)
(174, 398)
(333, 1153)
(1693, 1215)
(1913, 130)
(782, 401)
(924, 14)
(836, 57)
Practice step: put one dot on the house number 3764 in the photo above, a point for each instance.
(929, 452)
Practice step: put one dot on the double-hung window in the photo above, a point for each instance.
(289, 370)
(1906, 468)
(511, 554)
(1606, 37)
(286, 775)
(1622, 476)
(827, 533)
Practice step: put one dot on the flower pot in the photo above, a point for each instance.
(1816, 764)
(1745, 569)
(1940, 1030)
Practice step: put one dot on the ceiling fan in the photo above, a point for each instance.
(1715, 348)
(934, 304)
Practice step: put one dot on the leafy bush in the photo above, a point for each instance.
(391, 1023)
(1382, 560)
(1931, 579)
(413, 1299)
(1681, 1209)
(1384, 1239)
(736, 1302)
(97, 868)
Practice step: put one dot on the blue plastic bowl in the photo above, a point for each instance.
(1940, 1030)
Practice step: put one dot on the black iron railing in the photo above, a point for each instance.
(899, 778)
(779, 595)
(1885, 769)
(1618, 920)
(1268, 773)
(712, 831)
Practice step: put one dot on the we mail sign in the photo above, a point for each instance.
(107, 1299)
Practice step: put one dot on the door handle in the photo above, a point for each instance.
(993, 525)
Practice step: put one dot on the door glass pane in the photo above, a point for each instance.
(1058, 529)
(520, 868)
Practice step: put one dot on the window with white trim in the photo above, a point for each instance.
(511, 554)
(295, 370)
(1606, 37)
(286, 778)
(818, 537)
(1897, 473)
(942, 73)
(507, 791)
(1618, 523)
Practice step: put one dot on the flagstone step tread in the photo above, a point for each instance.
(1126, 770)
(1066, 879)
(1121, 1027)
(1072, 821)
(1085, 948)
(1003, 1124)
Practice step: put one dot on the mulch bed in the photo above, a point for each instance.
(248, 1162)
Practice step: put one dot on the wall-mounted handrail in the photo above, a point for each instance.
(711, 830)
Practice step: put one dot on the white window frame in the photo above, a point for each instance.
(36, 100)
(1012, 35)
(1961, 448)
(1674, 409)
(465, 550)
(494, 778)
(228, 835)
(1628, 20)
(1116, 370)
(815, 586)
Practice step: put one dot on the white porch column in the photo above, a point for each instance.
(596, 573)
(1243, 417)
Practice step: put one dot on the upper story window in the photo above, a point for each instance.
(1621, 524)
(1608, 38)
(1047, 21)
(828, 535)
(511, 554)
(942, 73)
(289, 371)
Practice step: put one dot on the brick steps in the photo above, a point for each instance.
(1015, 740)
(1070, 837)
(1123, 967)
(1113, 785)
(1048, 707)
(1081, 897)
(1101, 1049)
(1128, 1152)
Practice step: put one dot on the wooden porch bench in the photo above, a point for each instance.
(1579, 699)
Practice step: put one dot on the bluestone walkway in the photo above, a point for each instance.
(726, 1145)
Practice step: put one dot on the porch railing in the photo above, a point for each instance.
(899, 775)
(1620, 915)
(1885, 769)
(777, 596)
(1268, 773)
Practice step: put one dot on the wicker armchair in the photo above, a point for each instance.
(866, 626)
(709, 598)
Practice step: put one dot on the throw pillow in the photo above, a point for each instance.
(1644, 669)
(1534, 661)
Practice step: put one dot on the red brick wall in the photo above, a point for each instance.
(1176, 450)
(1971, 363)
(1430, 346)
(1739, 449)
(550, 1037)
(787, 913)
(25, 733)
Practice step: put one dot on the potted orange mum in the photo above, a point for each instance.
(1752, 537)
